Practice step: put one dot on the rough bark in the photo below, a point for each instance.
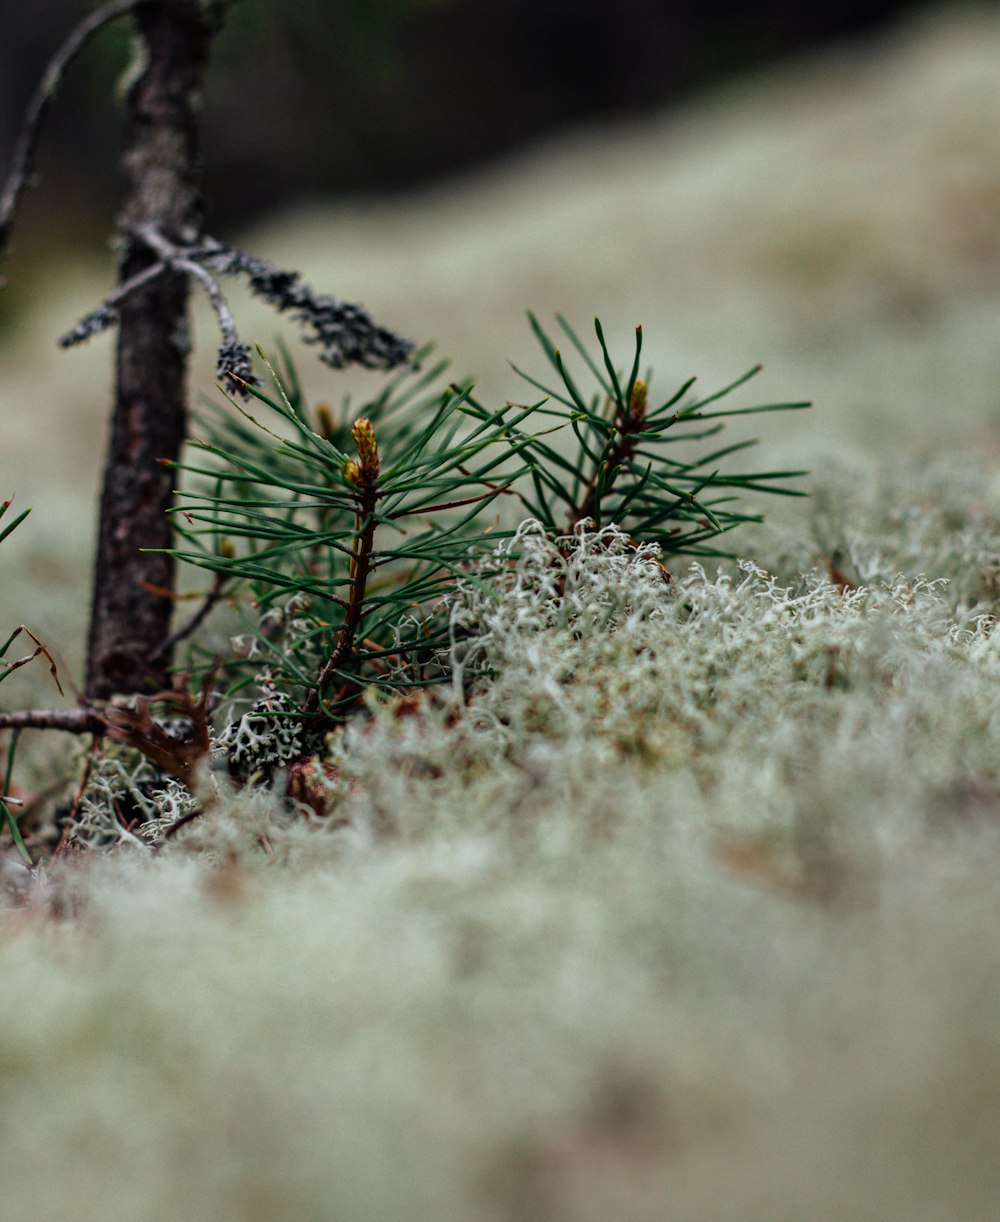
(130, 616)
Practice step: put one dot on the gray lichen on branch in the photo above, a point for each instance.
(345, 333)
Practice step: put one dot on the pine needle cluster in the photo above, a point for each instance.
(341, 539)
(347, 546)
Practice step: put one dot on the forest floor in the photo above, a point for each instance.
(698, 920)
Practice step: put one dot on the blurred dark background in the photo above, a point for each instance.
(318, 97)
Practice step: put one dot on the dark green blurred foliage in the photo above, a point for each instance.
(365, 39)
(307, 98)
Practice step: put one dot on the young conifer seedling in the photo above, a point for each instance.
(622, 470)
(347, 535)
(344, 541)
(341, 540)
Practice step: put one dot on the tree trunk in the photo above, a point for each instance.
(130, 616)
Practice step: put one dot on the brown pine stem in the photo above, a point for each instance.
(621, 451)
(73, 721)
(362, 563)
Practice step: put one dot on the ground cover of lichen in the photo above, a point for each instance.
(691, 913)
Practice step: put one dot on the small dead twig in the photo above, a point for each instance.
(837, 575)
(40, 648)
(184, 259)
(193, 622)
(74, 811)
(106, 314)
(23, 165)
(176, 826)
(80, 720)
(346, 332)
(137, 728)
